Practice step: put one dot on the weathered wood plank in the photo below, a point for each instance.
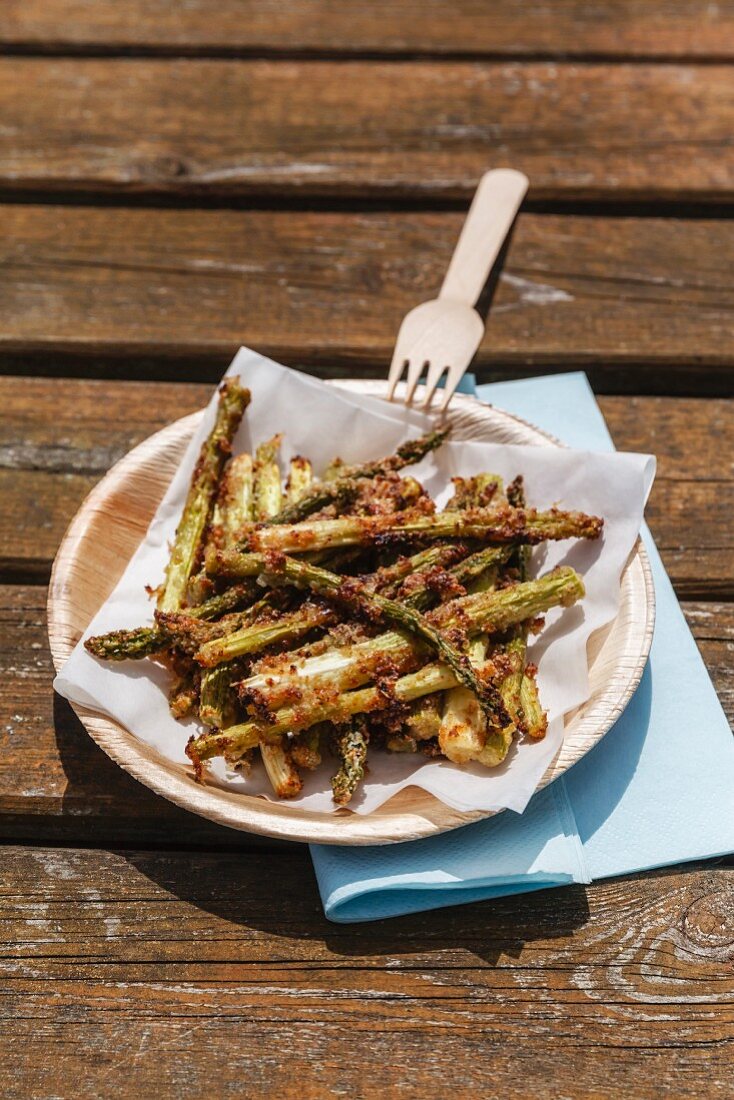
(56, 784)
(645, 303)
(188, 974)
(417, 129)
(60, 436)
(691, 438)
(568, 28)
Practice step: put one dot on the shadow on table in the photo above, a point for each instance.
(275, 894)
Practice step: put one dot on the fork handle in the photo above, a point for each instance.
(487, 224)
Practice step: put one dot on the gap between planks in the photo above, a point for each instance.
(681, 380)
(662, 208)
(386, 28)
(172, 52)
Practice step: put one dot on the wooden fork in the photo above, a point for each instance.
(444, 334)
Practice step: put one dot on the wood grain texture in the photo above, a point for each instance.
(184, 974)
(645, 303)
(569, 28)
(190, 973)
(419, 129)
(60, 436)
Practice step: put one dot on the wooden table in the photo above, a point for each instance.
(177, 179)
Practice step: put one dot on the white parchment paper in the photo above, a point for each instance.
(320, 421)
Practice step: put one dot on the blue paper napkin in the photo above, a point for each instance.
(659, 788)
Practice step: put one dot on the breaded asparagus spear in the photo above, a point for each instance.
(389, 578)
(216, 702)
(497, 739)
(267, 492)
(503, 525)
(352, 741)
(513, 657)
(235, 501)
(282, 772)
(267, 501)
(233, 742)
(463, 729)
(258, 636)
(250, 490)
(144, 641)
(233, 509)
(407, 454)
(188, 543)
(534, 718)
(300, 477)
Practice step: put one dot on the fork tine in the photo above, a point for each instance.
(435, 374)
(396, 370)
(452, 380)
(416, 366)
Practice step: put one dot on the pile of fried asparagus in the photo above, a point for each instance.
(346, 611)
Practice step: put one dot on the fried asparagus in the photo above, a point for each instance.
(258, 636)
(267, 492)
(352, 741)
(188, 545)
(145, 641)
(300, 477)
(291, 612)
(233, 742)
(534, 718)
(282, 772)
(506, 525)
(235, 502)
(216, 703)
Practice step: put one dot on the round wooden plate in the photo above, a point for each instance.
(113, 520)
